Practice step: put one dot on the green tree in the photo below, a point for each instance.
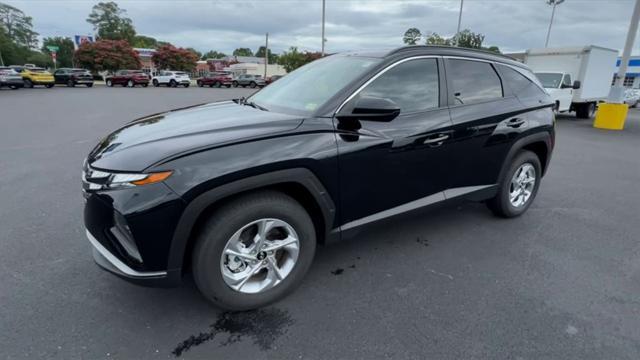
(17, 26)
(242, 52)
(39, 59)
(110, 22)
(435, 39)
(197, 53)
(412, 36)
(212, 54)
(64, 55)
(147, 42)
(173, 58)
(273, 58)
(293, 59)
(468, 39)
(110, 55)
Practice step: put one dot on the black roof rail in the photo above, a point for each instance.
(445, 47)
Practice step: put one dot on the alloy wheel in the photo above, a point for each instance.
(522, 185)
(260, 255)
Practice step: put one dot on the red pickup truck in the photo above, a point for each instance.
(128, 78)
(216, 79)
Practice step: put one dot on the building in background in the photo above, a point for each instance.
(146, 56)
(632, 77)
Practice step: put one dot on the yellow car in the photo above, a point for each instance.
(35, 76)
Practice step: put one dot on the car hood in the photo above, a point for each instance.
(152, 139)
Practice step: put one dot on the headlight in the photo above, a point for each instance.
(102, 180)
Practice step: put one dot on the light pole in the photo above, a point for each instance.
(323, 8)
(553, 3)
(459, 20)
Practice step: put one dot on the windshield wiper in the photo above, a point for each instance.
(243, 101)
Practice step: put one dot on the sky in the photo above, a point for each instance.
(223, 25)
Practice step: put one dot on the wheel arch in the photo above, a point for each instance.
(539, 143)
(299, 183)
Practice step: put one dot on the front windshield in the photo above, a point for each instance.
(550, 80)
(310, 86)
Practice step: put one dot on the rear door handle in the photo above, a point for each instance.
(436, 141)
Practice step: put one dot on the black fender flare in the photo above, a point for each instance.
(194, 209)
(544, 137)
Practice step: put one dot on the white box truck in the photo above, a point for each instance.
(577, 78)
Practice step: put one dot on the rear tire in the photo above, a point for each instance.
(28, 84)
(173, 83)
(130, 83)
(109, 83)
(89, 85)
(156, 83)
(586, 111)
(217, 84)
(211, 269)
(49, 86)
(70, 83)
(503, 203)
(234, 84)
(252, 84)
(199, 83)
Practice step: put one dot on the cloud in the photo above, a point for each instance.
(226, 25)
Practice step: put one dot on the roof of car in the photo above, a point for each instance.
(437, 50)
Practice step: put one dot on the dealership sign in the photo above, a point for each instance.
(82, 39)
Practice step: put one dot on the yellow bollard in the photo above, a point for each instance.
(611, 116)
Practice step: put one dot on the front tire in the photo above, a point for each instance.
(156, 83)
(253, 85)
(173, 83)
(109, 83)
(130, 83)
(49, 86)
(28, 84)
(199, 83)
(89, 85)
(71, 83)
(253, 251)
(234, 84)
(518, 187)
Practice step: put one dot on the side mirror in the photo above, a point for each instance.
(371, 109)
(576, 85)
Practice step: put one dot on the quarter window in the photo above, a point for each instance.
(412, 85)
(473, 81)
(519, 84)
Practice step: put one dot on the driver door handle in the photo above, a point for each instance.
(436, 141)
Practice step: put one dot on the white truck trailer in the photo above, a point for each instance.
(577, 78)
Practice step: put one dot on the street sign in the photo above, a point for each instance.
(52, 48)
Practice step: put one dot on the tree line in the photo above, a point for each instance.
(116, 38)
(465, 38)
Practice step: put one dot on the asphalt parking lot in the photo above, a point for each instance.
(560, 282)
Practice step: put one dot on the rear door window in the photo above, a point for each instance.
(473, 81)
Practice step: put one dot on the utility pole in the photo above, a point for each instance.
(266, 55)
(459, 20)
(323, 10)
(554, 3)
(617, 91)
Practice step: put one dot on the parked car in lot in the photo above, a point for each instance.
(215, 79)
(239, 193)
(35, 76)
(273, 78)
(248, 80)
(171, 78)
(10, 78)
(73, 77)
(128, 78)
(632, 97)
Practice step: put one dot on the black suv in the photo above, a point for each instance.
(240, 192)
(73, 77)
